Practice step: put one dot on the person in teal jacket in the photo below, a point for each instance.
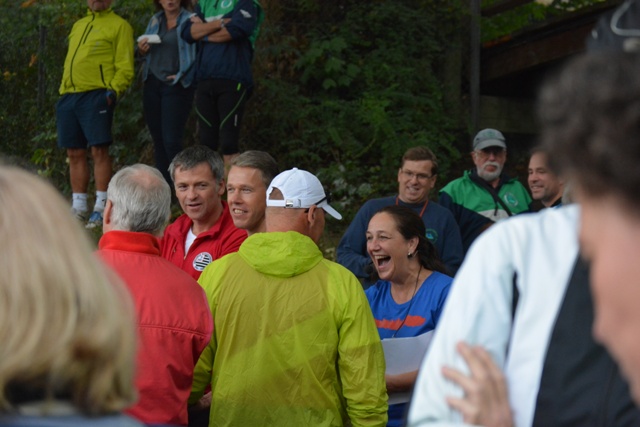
(484, 194)
(97, 70)
(226, 32)
(294, 343)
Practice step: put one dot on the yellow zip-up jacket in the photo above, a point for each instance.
(294, 342)
(100, 54)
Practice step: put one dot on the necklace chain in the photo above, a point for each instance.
(415, 289)
(423, 207)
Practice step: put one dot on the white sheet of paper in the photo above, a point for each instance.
(151, 38)
(404, 355)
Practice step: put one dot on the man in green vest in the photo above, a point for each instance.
(484, 194)
(226, 31)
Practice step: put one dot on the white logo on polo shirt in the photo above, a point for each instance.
(202, 260)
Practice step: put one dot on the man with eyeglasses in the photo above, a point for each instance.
(484, 194)
(416, 178)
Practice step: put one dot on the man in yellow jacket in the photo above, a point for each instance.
(294, 343)
(97, 70)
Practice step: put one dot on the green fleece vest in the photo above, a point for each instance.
(216, 9)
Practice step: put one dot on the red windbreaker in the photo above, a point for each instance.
(174, 324)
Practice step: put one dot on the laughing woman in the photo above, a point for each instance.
(168, 77)
(409, 295)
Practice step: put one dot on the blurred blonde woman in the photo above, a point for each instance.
(66, 325)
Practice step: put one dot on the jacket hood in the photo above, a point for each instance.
(280, 254)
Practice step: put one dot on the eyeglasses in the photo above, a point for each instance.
(486, 152)
(420, 176)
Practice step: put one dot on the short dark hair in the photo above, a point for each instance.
(260, 160)
(538, 149)
(185, 4)
(191, 157)
(410, 225)
(590, 117)
(421, 153)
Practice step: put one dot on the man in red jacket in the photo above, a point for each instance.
(205, 232)
(174, 321)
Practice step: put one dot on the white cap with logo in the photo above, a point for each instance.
(301, 190)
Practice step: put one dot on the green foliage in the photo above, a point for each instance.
(359, 93)
(519, 18)
(343, 88)
(29, 128)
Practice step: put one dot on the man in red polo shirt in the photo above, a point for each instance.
(205, 232)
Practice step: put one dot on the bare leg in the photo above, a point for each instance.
(101, 166)
(78, 169)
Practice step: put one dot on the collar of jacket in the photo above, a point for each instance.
(473, 176)
(130, 241)
(99, 13)
(184, 223)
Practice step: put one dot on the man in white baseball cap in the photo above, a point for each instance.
(301, 189)
(293, 325)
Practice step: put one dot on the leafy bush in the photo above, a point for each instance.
(363, 85)
(32, 52)
(343, 88)
(519, 18)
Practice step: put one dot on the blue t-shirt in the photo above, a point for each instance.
(409, 319)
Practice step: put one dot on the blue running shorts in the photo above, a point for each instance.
(84, 119)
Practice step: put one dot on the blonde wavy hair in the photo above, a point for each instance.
(67, 327)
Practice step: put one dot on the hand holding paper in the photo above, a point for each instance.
(404, 355)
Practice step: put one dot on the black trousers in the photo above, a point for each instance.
(166, 111)
(220, 106)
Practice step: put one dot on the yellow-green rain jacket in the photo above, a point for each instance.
(100, 54)
(294, 342)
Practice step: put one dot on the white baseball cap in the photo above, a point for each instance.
(301, 190)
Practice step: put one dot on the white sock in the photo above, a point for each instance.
(79, 201)
(101, 201)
